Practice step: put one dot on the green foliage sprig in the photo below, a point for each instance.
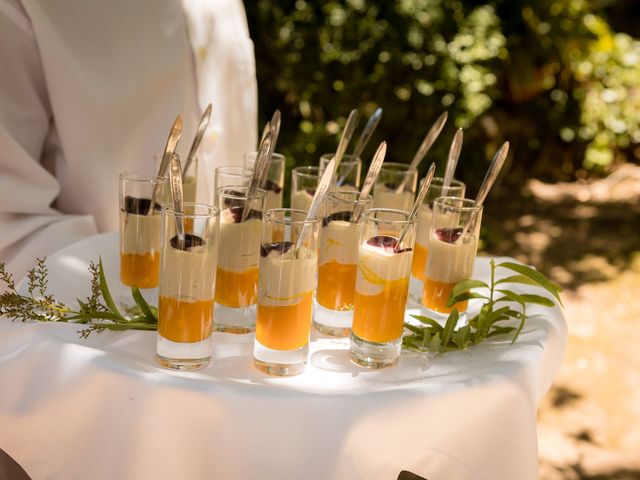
(489, 321)
(98, 311)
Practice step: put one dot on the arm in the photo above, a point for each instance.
(29, 226)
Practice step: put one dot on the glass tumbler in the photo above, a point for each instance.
(304, 181)
(453, 242)
(338, 259)
(274, 181)
(238, 259)
(187, 287)
(425, 213)
(395, 186)
(227, 175)
(140, 230)
(347, 176)
(286, 282)
(382, 285)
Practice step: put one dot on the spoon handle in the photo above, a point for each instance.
(202, 127)
(366, 134)
(274, 125)
(175, 179)
(425, 146)
(424, 187)
(452, 161)
(258, 167)
(172, 141)
(374, 170)
(323, 187)
(347, 133)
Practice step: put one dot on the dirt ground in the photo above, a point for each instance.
(586, 237)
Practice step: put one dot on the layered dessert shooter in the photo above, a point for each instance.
(338, 259)
(395, 187)
(273, 181)
(304, 181)
(139, 230)
(453, 243)
(187, 288)
(228, 175)
(347, 176)
(238, 259)
(285, 291)
(382, 285)
(425, 213)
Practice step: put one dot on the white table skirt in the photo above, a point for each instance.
(101, 408)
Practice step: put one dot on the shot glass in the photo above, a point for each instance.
(187, 288)
(274, 182)
(227, 175)
(425, 213)
(304, 181)
(453, 242)
(238, 259)
(386, 190)
(285, 291)
(382, 285)
(338, 259)
(140, 230)
(347, 176)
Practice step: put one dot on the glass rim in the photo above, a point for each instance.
(145, 178)
(438, 181)
(222, 168)
(278, 157)
(468, 204)
(347, 158)
(304, 171)
(398, 167)
(238, 192)
(270, 215)
(212, 211)
(369, 215)
(355, 193)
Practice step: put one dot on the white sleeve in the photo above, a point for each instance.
(29, 226)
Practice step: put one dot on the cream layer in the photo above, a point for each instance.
(339, 242)
(239, 245)
(376, 266)
(188, 275)
(284, 279)
(139, 233)
(451, 262)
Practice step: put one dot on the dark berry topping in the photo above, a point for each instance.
(280, 247)
(345, 216)
(236, 213)
(272, 186)
(232, 202)
(386, 242)
(448, 235)
(190, 241)
(391, 185)
(310, 191)
(138, 206)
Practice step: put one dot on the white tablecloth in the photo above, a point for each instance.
(101, 408)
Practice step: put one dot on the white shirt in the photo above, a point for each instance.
(89, 89)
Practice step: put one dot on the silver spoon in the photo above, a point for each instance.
(347, 133)
(321, 190)
(175, 180)
(365, 136)
(172, 141)
(258, 167)
(202, 127)
(424, 186)
(374, 170)
(425, 146)
(274, 126)
(452, 161)
(490, 177)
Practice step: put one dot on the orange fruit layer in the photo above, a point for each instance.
(435, 296)
(186, 322)
(336, 285)
(380, 318)
(420, 254)
(140, 270)
(236, 289)
(285, 327)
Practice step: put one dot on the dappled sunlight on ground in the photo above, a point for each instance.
(586, 237)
